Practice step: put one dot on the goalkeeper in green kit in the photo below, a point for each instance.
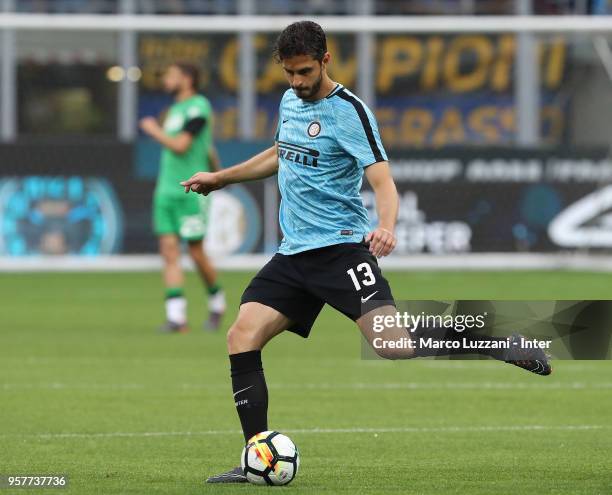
(186, 137)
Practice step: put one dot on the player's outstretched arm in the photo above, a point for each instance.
(260, 166)
(179, 143)
(382, 239)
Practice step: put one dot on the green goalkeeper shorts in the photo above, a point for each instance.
(186, 217)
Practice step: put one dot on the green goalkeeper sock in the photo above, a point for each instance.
(213, 289)
(174, 292)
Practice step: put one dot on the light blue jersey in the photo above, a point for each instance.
(323, 148)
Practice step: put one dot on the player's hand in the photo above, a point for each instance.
(202, 183)
(382, 242)
(149, 125)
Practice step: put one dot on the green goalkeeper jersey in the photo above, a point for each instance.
(193, 115)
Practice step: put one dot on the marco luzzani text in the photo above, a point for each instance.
(423, 322)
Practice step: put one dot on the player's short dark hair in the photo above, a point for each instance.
(301, 38)
(191, 71)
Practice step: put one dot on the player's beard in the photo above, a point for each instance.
(313, 90)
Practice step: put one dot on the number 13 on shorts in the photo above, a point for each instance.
(363, 271)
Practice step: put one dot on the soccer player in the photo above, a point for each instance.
(186, 137)
(326, 140)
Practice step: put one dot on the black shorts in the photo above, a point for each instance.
(345, 276)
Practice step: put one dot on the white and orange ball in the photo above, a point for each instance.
(270, 458)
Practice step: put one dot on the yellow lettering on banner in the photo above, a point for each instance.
(553, 69)
(507, 119)
(343, 71)
(416, 126)
(502, 68)
(431, 70)
(150, 50)
(228, 65)
(553, 122)
(147, 47)
(399, 57)
(491, 123)
(156, 53)
(386, 124)
(483, 121)
(262, 123)
(150, 77)
(551, 119)
(272, 75)
(481, 47)
(450, 129)
(227, 124)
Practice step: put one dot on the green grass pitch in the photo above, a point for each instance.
(88, 389)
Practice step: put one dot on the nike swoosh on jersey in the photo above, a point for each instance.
(364, 299)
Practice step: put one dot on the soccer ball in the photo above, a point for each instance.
(270, 458)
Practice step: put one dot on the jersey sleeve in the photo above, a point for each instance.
(357, 131)
(197, 115)
(278, 124)
(280, 115)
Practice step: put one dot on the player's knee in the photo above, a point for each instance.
(242, 337)
(170, 252)
(385, 353)
(196, 251)
(169, 257)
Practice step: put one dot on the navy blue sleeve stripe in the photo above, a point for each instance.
(365, 122)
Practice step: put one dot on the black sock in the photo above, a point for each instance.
(250, 392)
(472, 341)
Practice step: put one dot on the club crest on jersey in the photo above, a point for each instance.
(314, 128)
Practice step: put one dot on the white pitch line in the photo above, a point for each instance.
(444, 386)
(477, 365)
(439, 364)
(319, 386)
(407, 429)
